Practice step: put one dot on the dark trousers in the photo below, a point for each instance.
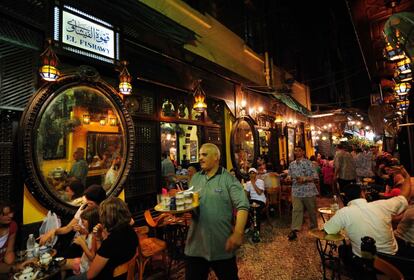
(197, 268)
(405, 249)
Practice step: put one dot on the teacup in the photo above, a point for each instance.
(45, 259)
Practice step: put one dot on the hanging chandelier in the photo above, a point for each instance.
(125, 86)
(199, 97)
(48, 70)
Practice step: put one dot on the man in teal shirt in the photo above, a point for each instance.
(211, 240)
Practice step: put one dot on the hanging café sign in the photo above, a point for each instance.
(85, 32)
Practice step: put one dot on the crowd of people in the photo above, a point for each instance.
(103, 236)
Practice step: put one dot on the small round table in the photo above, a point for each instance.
(328, 249)
(325, 211)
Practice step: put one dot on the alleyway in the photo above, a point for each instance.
(275, 257)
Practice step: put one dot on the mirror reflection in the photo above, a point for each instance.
(243, 141)
(79, 141)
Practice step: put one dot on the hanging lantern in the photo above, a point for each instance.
(199, 97)
(279, 118)
(393, 54)
(102, 121)
(86, 118)
(48, 70)
(402, 88)
(403, 105)
(400, 77)
(113, 121)
(404, 65)
(125, 86)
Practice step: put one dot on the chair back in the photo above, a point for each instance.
(148, 218)
(403, 264)
(273, 195)
(127, 267)
(388, 269)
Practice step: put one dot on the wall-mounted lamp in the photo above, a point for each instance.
(86, 119)
(199, 96)
(48, 70)
(102, 121)
(125, 86)
(113, 121)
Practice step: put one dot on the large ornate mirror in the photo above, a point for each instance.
(75, 133)
(244, 145)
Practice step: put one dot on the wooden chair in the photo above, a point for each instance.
(273, 197)
(388, 269)
(127, 267)
(148, 247)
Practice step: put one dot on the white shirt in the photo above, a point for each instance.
(253, 194)
(373, 219)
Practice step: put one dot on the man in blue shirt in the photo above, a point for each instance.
(304, 191)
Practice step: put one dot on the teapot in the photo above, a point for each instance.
(45, 259)
(26, 274)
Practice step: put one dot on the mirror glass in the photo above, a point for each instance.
(79, 141)
(243, 146)
(291, 143)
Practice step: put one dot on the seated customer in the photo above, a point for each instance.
(395, 188)
(405, 234)
(8, 229)
(119, 240)
(373, 219)
(256, 190)
(93, 195)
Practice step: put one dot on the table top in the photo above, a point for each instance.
(325, 210)
(159, 207)
(322, 235)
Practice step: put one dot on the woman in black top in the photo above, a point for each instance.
(119, 240)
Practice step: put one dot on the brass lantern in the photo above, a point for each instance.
(393, 54)
(404, 65)
(199, 97)
(125, 86)
(402, 88)
(48, 70)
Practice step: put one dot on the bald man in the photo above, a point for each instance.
(211, 240)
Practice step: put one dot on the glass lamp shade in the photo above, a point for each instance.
(200, 106)
(403, 105)
(402, 88)
(112, 121)
(125, 88)
(279, 118)
(404, 66)
(102, 122)
(49, 73)
(86, 118)
(402, 77)
(199, 96)
(393, 54)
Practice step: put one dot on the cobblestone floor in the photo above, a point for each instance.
(274, 257)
